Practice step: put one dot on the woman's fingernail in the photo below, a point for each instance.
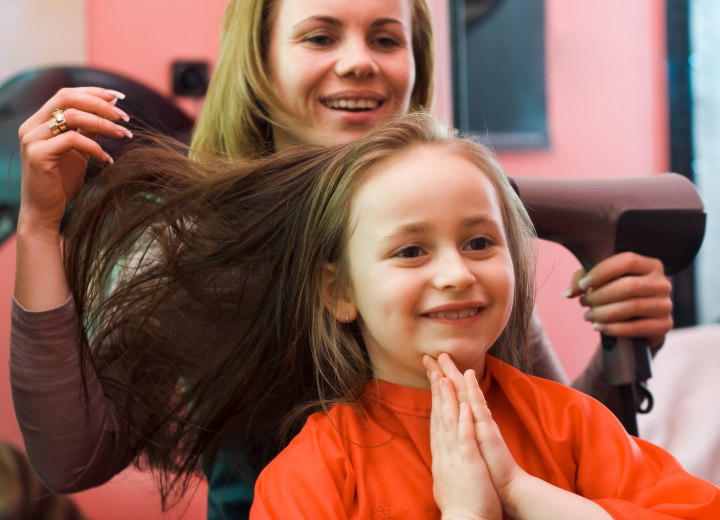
(600, 327)
(586, 316)
(584, 283)
(116, 93)
(127, 132)
(121, 114)
(566, 293)
(109, 159)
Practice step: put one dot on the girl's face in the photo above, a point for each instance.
(339, 66)
(429, 264)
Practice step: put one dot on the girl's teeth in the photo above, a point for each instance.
(454, 315)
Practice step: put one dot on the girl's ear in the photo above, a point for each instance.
(337, 300)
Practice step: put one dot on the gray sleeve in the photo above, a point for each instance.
(73, 442)
(591, 381)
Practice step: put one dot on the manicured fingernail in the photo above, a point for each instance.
(127, 132)
(584, 283)
(117, 94)
(121, 114)
(600, 327)
(109, 159)
(586, 316)
(566, 293)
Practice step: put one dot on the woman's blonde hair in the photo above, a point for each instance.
(218, 333)
(236, 119)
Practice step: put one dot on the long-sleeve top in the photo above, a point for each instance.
(374, 460)
(74, 445)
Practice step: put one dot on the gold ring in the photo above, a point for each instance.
(57, 122)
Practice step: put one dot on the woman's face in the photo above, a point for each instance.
(339, 66)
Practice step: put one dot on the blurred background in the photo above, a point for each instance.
(567, 89)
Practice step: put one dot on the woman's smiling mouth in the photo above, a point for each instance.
(352, 104)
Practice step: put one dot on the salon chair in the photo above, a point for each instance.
(26, 92)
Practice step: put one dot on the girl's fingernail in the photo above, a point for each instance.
(586, 316)
(127, 132)
(600, 327)
(109, 159)
(566, 293)
(584, 283)
(117, 94)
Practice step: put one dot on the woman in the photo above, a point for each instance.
(290, 71)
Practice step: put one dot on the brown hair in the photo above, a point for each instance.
(217, 331)
(235, 120)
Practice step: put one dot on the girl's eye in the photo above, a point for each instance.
(409, 252)
(478, 244)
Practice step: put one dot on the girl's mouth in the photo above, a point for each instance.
(454, 315)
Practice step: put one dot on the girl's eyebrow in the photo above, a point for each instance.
(330, 20)
(416, 228)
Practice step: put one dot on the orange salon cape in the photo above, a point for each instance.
(376, 463)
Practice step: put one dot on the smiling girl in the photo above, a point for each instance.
(417, 280)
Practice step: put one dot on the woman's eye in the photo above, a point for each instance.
(409, 252)
(318, 39)
(478, 244)
(386, 42)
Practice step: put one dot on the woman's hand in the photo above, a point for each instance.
(53, 169)
(53, 166)
(628, 295)
(461, 481)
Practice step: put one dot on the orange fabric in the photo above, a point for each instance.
(344, 465)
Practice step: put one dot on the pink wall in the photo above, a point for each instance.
(606, 110)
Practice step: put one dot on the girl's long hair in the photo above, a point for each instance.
(199, 290)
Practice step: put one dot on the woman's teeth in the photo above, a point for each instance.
(352, 104)
(454, 315)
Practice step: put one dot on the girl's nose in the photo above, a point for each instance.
(452, 272)
(355, 59)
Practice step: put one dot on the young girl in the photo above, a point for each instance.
(347, 281)
(418, 275)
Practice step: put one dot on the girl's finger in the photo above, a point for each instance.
(451, 371)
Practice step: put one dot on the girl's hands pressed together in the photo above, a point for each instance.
(461, 480)
(480, 479)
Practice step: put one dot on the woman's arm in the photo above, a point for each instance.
(72, 442)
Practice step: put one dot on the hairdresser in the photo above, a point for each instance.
(289, 71)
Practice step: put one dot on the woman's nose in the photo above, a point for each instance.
(452, 272)
(355, 59)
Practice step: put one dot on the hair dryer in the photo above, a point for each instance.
(661, 216)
